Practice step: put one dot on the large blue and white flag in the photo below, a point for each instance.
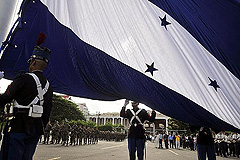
(181, 58)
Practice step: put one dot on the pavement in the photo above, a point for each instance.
(111, 151)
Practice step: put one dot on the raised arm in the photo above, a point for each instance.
(123, 112)
(152, 117)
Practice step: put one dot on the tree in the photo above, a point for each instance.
(107, 127)
(84, 123)
(111, 127)
(63, 109)
(174, 124)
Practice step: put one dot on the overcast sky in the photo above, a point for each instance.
(93, 105)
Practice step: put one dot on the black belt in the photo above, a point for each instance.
(20, 110)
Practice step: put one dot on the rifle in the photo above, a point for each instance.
(5, 130)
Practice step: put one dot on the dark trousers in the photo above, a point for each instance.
(231, 149)
(136, 145)
(46, 137)
(237, 149)
(204, 150)
(223, 149)
(160, 143)
(166, 144)
(216, 147)
(171, 143)
(21, 146)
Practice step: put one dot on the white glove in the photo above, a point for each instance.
(1, 75)
(126, 103)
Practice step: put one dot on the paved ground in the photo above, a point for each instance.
(110, 151)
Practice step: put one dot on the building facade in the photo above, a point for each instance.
(160, 123)
(83, 108)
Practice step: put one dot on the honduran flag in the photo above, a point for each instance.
(179, 57)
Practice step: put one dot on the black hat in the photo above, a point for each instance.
(40, 52)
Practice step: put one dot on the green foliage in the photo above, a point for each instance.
(107, 127)
(111, 127)
(63, 109)
(174, 124)
(84, 123)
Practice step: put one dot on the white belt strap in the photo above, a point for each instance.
(41, 91)
(15, 104)
(39, 97)
(135, 115)
(35, 110)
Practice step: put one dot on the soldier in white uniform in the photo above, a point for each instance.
(221, 137)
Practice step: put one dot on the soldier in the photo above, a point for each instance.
(237, 145)
(104, 135)
(101, 135)
(79, 135)
(32, 95)
(55, 133)
(65, 129)
(108, 135)
(216, 146)
(231, 144)
(73, 136)
(85, 135)
(136, 137)
(89, 135)
(47, 133)
(97, 133)
(62, 130)
(222, 144)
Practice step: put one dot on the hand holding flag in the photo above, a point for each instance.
(126, 103)
(1, 75)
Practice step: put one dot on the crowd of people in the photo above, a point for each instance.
(66, 134)
(225, 144)
(174, 140)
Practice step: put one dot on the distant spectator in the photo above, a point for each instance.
(195, 142)
(160, 140)
(166, 140)
(171, 140)
(191, 144)
(177, 141)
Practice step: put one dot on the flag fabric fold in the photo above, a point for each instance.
(165, 54)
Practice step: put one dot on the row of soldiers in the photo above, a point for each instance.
(112, 136)
(77, 134)
(227, 144)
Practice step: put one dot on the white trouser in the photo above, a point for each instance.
(178, 144)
